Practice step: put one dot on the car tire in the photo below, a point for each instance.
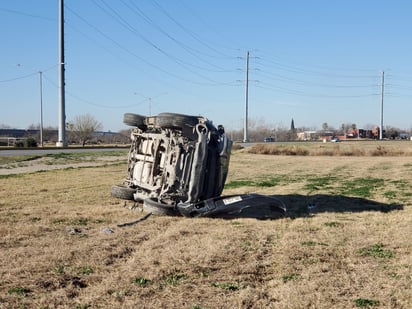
(123, 192)
(134, 120)
(175, 121)
(151, 205)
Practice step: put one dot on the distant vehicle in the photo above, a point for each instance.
(335, 140)
(268, 139)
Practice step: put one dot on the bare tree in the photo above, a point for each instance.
(392, 132)
(83, 127)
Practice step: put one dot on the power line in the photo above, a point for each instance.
(127, 50)
(123, 47)
(311, 82)
(192, 51)
(124, 23)
(209, 26)
(18, 78)
(91, 103)
(189, 32)
(325, 72)
(27, 14)
(309, 94)
(27, 75)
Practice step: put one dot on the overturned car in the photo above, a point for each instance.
(178, 164)
(174, 159)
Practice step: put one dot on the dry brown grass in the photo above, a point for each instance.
(352, 249)
(347, 148)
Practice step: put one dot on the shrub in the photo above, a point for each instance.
(274, 150)
(236, 146)
(28, 142)
(19, 144)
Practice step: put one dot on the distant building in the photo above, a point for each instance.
(326, 135)
(307, 136)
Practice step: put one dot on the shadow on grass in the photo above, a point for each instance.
(264, 207)
(304, 205)
(267, 207)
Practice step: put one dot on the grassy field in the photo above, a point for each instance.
(345, 241)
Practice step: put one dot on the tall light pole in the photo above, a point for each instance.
(382, 90)
(61, 142)
(41, 104)
(41, 107)
(245, 129)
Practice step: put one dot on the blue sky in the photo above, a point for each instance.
(314, 61)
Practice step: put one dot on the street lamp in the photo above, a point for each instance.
(149, 100)
(41, 108)
(41, 105)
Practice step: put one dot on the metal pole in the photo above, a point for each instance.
(245, 129)
(382, 92)
(41, 108)
(62, 113)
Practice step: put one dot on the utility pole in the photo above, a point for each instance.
(41, 108)
(61, 142)
(245, 129)
(382, 92)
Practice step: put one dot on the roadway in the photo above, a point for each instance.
(6, 152)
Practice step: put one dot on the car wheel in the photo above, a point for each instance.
(156, 208)
(171, 120)
(123, 192)
(134, 120)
